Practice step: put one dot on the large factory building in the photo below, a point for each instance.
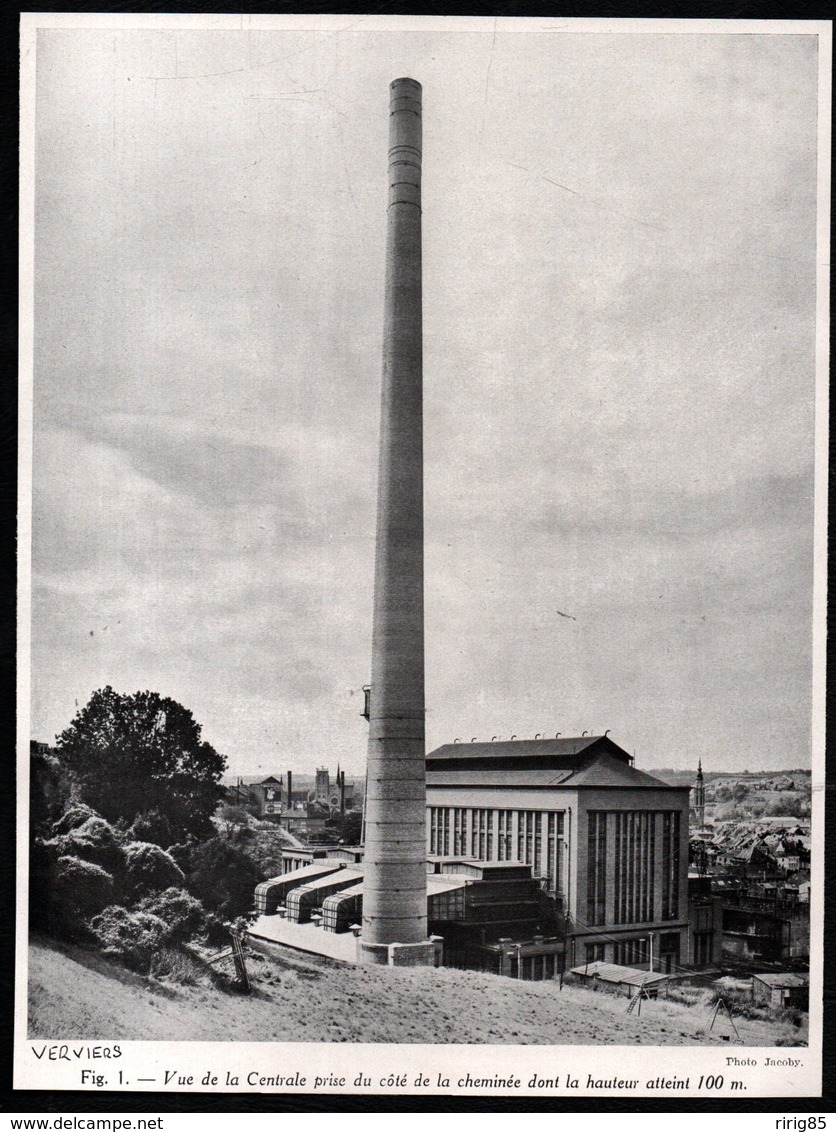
(609, 841)
(542, 855)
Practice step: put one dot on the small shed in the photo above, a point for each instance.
(628, 980)
(783, 988)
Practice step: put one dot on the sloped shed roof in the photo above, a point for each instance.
(615, 973)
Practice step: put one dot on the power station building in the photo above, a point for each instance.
(609, 841)
(541, 855)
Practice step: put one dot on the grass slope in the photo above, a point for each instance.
(74, 994)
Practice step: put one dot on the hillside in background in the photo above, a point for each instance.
(730, 777)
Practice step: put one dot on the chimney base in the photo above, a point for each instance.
(425, 954)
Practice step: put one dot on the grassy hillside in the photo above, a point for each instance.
(75, 994)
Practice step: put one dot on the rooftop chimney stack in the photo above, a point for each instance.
(395, 879)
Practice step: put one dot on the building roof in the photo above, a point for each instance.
(337, 876)
(784, 979)
(467, 775)
(516, 748)
(588, 761)
(446, 882)
(269, 778)
(304, 875)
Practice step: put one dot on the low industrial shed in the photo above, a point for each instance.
(306, 899)
(271, 894)
(628, 980)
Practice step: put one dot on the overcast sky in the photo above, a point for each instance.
(619, 282)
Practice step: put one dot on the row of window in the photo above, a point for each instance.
(535, 837)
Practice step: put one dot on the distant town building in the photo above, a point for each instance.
(787, 860)
(765, 923)
(270, 796)
(705, 923)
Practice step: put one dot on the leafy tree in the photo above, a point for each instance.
(151, 825)
(793, 806)
(131, 754)
(48, 788)
(352, 828)
(232, 818)
(222, 875)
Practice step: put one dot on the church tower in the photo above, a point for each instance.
(699, 796)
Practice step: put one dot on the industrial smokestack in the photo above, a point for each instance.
(290, 790)
(394, 874)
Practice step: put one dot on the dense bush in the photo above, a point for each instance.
(133, 937)
(75, 815)
(95, 840)
(148, 869)
(180, 912)
(270, 866)
(79, 891)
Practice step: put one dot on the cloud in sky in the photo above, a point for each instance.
(619, 271)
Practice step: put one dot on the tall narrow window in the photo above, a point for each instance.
(459, 846)
(670, 865)
(596, 867)
(635, 850)
(561, 848)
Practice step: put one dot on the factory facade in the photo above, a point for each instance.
(609, 841)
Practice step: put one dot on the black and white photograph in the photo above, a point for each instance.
(423, 535)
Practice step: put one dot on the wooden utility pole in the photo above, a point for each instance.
(240, 963)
